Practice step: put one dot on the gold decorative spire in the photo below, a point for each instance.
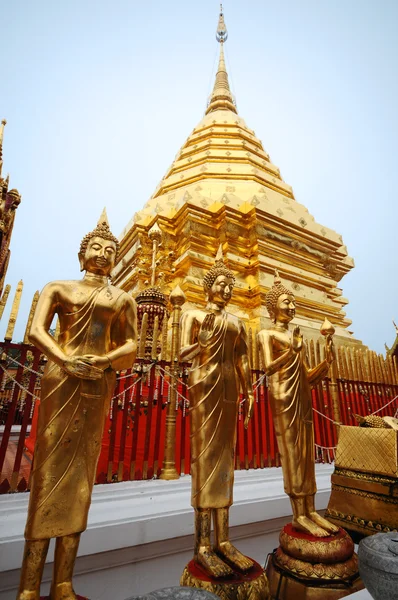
(30, 318)
(14, 312)
(3, 124)
(221, 97)
(4, 299)
(103, 218)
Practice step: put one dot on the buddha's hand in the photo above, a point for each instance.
(297, 339)
(206, 330)
(80, 366)
(330, 350)
(101, 362)
(249, 409)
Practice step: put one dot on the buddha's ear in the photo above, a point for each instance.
(81, 260)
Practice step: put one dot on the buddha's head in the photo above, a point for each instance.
(219, 281)
(98, 249)
(280, 302)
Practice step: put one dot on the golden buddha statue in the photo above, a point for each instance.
(290, 380)
(97, 337)
(216, 343)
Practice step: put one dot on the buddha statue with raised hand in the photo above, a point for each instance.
(216, 343)
(98, 336)
(289, 383)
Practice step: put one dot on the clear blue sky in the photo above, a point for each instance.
(99, 96)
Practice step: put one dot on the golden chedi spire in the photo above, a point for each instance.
(3, 124)
(221, 97)
(223, 187)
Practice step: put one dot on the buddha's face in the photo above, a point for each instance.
(99, 257)
(285, 309)
(221, 291)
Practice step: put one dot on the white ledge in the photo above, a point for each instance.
(134, 513)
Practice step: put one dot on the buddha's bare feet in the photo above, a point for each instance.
(233, 556)
(212, 563)
(305, 524)
(62, 591)
(322, 522)
(29, 595)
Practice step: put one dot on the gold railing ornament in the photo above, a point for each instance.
(4, 299)
(169, 471)
(30, 318)
(14, 312)
(328, 330)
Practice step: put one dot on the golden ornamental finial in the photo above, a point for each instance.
(219, 255)
(103, 218)
(3, 124)
(222, 32)
(221, 97)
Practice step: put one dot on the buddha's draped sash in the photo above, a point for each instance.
(214, 398)
(69, 433)
(291, 404)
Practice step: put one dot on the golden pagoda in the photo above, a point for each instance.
(223, 187)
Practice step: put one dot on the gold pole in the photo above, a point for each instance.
(14, 313)
(334, 391)
(30, 318)
(4, 299)
(154, 353)
(169, 471)
(164, 338)
(144, 328)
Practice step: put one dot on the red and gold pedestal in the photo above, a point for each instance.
(252, 585)
(305, 567)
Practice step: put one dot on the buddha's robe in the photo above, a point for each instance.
(213, 385)
(291, 406)
(71, 418)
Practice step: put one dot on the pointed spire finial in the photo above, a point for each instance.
(3, 124)
(219, 255)
(221, 97)
(222, 32)
(103, 218)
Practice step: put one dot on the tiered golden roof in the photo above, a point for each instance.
(223, 187)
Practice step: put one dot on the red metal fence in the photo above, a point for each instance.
(134, 434)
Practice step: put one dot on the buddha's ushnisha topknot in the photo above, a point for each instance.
(278, 289)
(217, 269)
(102, 230)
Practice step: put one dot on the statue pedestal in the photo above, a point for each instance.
(252, 585)
(305, 567)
